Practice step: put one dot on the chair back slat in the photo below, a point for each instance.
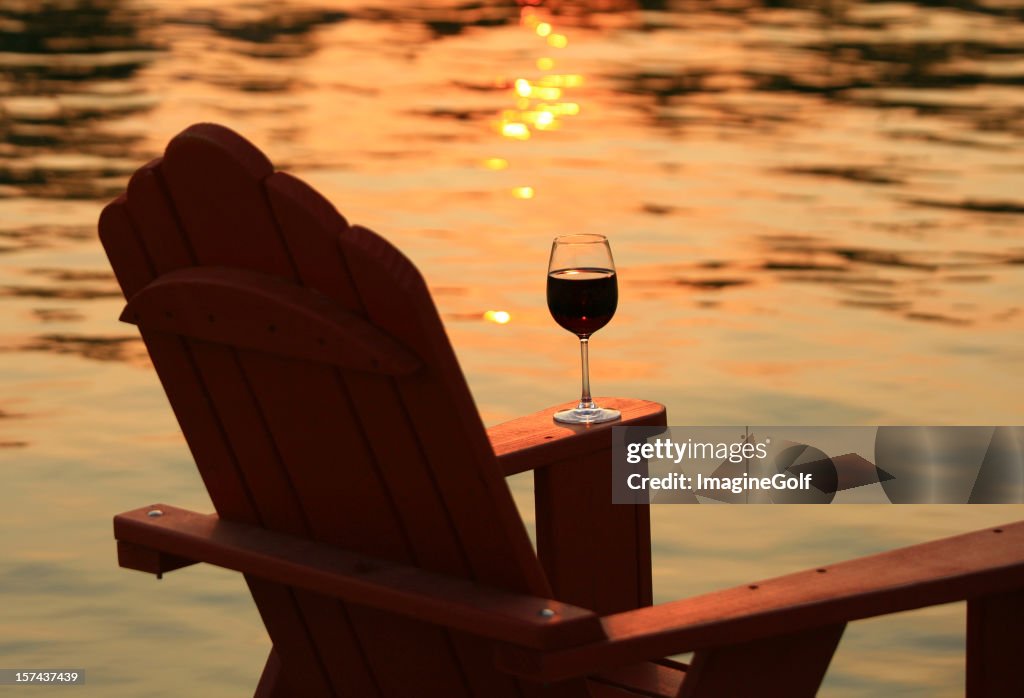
(388, 459)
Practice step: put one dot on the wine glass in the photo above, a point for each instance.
(582, 296)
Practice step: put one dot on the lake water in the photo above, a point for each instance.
(815, 209)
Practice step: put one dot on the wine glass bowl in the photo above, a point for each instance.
(583, 294)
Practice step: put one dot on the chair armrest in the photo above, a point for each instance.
(535, 441)
(969, 566)
(182, 537)
(579, 529)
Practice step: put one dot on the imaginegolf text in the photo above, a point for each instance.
(736, 485)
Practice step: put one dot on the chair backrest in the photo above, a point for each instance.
(319, 395)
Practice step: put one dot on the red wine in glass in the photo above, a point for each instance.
(583, 294)
(582, 300)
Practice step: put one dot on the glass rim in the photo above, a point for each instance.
(580, 239)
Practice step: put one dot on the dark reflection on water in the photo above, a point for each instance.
(280, 32)
(119, 348)
(28, 237)
(67, 71)
(839, 68)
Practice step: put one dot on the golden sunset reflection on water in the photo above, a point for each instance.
(815, 211)
(536, 99)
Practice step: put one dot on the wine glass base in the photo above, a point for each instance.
(593, 415)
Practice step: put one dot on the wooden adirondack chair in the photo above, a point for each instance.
(360, 495)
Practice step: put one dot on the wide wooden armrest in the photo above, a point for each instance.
(978, 564)
(537, 440)
(185, 537)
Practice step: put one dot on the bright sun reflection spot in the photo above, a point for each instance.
(524, 88)
(500, 317)
(538, 100)
(523, 192)
(561, 81)
(562, 108)
(515, 130)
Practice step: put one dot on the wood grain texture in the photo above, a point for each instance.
(314, 233)
(995, 646)
(255, 311)
(580, 530)
(976, 564)
(211, 229)
(373, 582)
(536, 440)
(444, 418)
(143, 237)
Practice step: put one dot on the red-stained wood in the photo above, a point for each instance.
(222, 233)
(175, 360)
(424, 484)
(372, 582)
(429, 409)
(646, 679)
(132, 266)
(976, 564)
(343, 498)
(444, 418)
(256, 311)
(215, 181)
(274, 495)
(785, 666)
(307, 222)
(579, 529)
(155, 221)
(995, 647)
(536, 440)
(312, 229)
(143, 559)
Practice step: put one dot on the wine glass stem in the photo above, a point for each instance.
(586, 402)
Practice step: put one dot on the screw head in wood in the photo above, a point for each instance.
(546, 613)
(153, 513)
